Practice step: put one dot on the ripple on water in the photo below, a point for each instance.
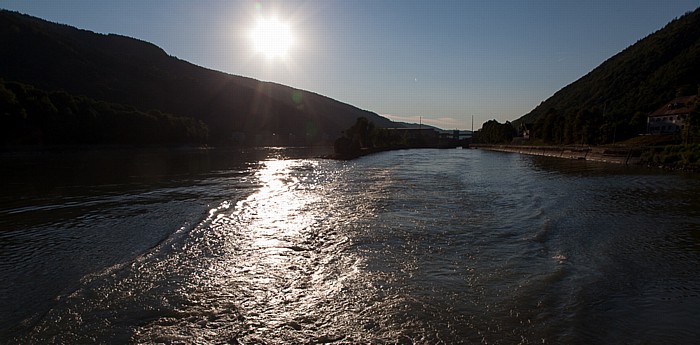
(395, 248)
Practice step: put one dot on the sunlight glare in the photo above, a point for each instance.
(272, 38)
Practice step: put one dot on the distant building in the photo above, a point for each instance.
(671, 118)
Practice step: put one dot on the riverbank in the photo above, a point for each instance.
(627, 156)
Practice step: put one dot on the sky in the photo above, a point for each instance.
(441, 63)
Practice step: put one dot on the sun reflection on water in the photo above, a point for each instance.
(279, 206)
(280, 265)
(283, 252)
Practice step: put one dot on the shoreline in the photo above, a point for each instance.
(626, 156)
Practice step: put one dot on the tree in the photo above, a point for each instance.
(547, 125)
(493, 132)
(692, 126)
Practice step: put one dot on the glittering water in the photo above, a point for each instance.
(417, 246)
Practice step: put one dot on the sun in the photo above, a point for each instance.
(272, 38)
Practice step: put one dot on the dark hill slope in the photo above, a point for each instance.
(129, 71)
(635, 81)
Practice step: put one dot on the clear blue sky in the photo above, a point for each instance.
(444, 61)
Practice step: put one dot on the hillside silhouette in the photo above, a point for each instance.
(134, 73)
(612, 101)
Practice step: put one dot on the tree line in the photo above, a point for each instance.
(364, 135)
(31, 116)
(599, 126)
(585, 126)
(494, 132)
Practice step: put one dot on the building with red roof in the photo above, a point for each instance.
(672, 117)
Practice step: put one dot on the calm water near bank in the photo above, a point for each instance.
(275, 246)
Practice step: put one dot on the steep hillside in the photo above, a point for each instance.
(612, 101)
(129, 71)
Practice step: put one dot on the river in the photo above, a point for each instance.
(274, 246)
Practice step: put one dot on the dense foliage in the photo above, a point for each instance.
(673, 156)
(587, 127)
(365, 135)
(29, 116)
(611, 102)
(691, 134)
(493, 132)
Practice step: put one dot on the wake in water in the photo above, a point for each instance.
(403, 247)
(273, 266)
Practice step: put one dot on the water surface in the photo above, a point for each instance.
(416, 246)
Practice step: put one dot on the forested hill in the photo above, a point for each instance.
(127, 71)
(614, 99)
